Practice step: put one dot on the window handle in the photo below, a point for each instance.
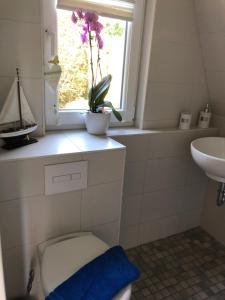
(51, 36)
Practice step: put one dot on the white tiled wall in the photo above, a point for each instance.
(163, 189)
(28, 217)
(20, 32)
(211, 22)
(176, 78)
(213, 217)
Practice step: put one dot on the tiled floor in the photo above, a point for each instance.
(185, 266)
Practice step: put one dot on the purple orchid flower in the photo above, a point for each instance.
(79, 13)
(97, 27)
(90, 17)
(99, 41)
(74, 18)
(91, 32)
(84, 38)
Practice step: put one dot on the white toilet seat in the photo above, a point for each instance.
(60, 258)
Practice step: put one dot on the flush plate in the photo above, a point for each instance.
(66, 177)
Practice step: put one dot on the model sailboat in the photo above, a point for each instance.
(16, 118)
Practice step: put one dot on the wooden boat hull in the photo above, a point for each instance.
(18, 138)
(19, 132)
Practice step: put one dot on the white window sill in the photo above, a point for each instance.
(72, 142)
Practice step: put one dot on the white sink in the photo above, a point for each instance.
(209, 155)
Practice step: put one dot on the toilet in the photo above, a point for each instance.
(61, 257)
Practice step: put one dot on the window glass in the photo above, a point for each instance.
(74, 59)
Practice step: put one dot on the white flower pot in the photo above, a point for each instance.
(97, 123)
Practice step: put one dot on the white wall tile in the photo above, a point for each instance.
(199, 99)
(162, 228)
(219, 122)
(21, 178)
(101, 204)
(216, 84)
(165, 173)
(168, 145)
(211, 21)
(24, 178)
(213, 51)
(105, 167)
(217, 91)
(15, 223)
(195, 197)
(154, 230)
(23, 10)
(131, 210)
(210, 15)
(173, 62)
(213, 217)
(167, 100)
(162, 204)
(136, 146)
(169, 14)
(55, 215)
(129, 237)
(20, 47)
(16, 261)
(189, 220)
(195, 174)
(5, 84)
(176, 79)
(160, 124)
(195, 134)
(109, 232)
(171, 202)
(134, 178)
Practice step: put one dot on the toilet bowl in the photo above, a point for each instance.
(60, 258)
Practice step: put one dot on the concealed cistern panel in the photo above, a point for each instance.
(66, 177)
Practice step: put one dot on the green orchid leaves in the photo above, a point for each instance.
(97, 95)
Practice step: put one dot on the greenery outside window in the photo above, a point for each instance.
(121, 54)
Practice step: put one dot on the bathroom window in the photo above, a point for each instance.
(75, 80)
(123, 21)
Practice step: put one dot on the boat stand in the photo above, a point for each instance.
(18, 141)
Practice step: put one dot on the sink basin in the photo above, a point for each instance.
(209, 155)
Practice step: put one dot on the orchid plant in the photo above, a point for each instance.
(91, 35)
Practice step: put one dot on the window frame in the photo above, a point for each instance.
(70, 119)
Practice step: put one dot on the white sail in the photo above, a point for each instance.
(10, 110)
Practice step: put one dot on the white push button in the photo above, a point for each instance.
(66, 177)
(62, 178)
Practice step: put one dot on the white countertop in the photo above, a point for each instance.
(78, 141)
(61, 143)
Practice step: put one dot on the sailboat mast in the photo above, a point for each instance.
(19, 98)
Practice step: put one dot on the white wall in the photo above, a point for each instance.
(20, 32)
(164, 190)
(176, 78)
(28, 217)
(211, 20)
(213, 217)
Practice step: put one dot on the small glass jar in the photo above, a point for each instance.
(185, 120)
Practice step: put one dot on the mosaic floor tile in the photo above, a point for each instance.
(186, 266)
